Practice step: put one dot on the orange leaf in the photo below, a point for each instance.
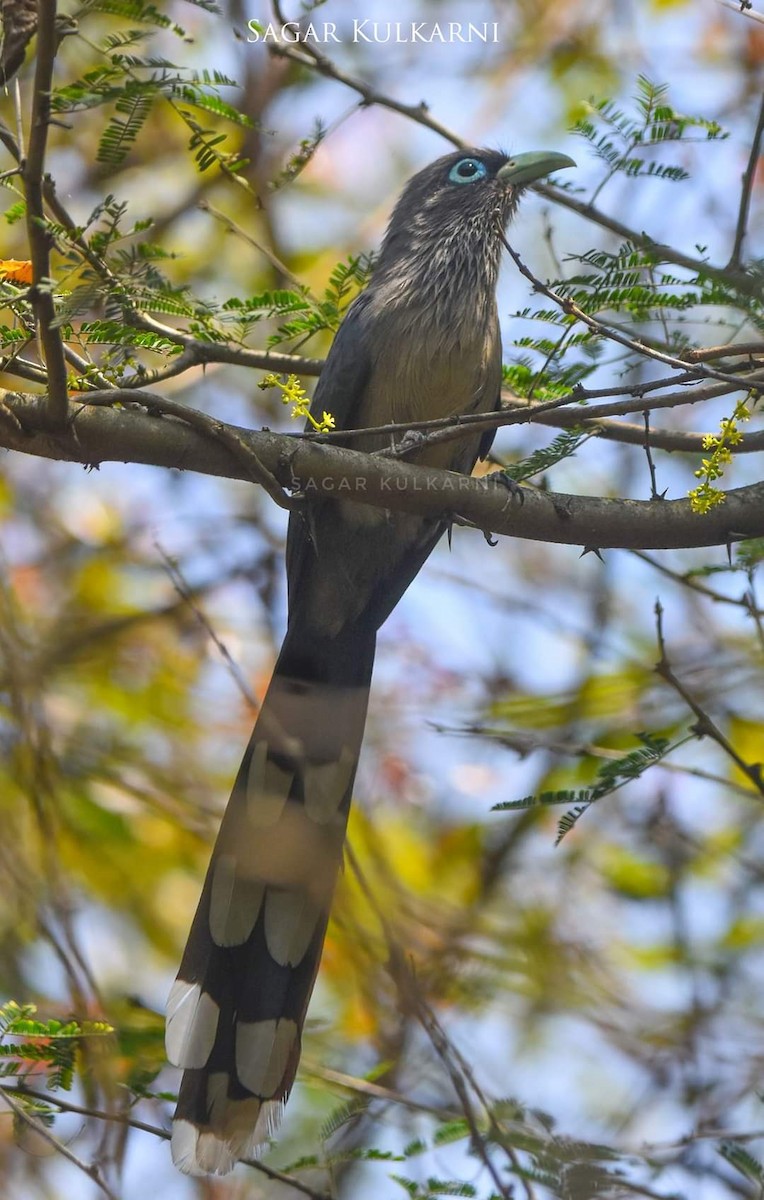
(16, 271)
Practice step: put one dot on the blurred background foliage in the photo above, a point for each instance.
(588, 1012)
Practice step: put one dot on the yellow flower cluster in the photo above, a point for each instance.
(706, 496)
(292, 392)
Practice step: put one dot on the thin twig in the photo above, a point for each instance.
(702, 1135)
(22, 1089)
(662, 252)
(95, 377)
(519, 411)
(673, 440)
(729, 350)
(186, 594)
(37, 1126)
(742, 9)
(23, 369)
(375, 1091)
(694, 585)
(704, 725)
(572, 309)
(17, 114)
(207, 352)
(749, 176)
(198, 354)
(650, 464)
(157, 1131)
(232, 227)
(461, 1077)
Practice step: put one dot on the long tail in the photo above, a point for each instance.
(236, 1010)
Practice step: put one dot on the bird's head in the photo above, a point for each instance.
(453, 211)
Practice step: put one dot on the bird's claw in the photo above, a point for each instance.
(502, 479)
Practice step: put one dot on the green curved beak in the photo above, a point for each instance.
(527, 168)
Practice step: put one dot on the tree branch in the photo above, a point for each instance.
(39, 240)
(310, 56)
(96, 434)
(630, 434)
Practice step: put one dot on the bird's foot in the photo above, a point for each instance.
(503, 479)
(411, 440)
(512, 487)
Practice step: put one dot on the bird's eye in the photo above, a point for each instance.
(468, 170)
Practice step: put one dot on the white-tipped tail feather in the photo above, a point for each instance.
(245, 1127)
(192, 1024)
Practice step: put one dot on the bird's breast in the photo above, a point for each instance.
(422, 371)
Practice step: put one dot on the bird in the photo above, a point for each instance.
(18, 25)
(421, 341)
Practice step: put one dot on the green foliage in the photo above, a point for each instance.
(433, 1188)
(565, 1165)
(344, 1115)
(345, 280)
(239, 316)
(367, 1154)
(552, 367)
(636, 284)
(743, 1162)
(135, 105)
(450, 1131)
(98, 332)
(299, 159)
(30, 1048)
(628, 136)
(611, 775)
(135, 83)
(123, 273)
(628, 281)
(145, 14)
(16, 212)
(563, 446)
(13, 335)
(750, 553)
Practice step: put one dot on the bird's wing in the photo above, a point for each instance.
(339, 391)
(487, 439)
(347, 367)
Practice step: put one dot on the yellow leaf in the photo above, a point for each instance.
(635, 877)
